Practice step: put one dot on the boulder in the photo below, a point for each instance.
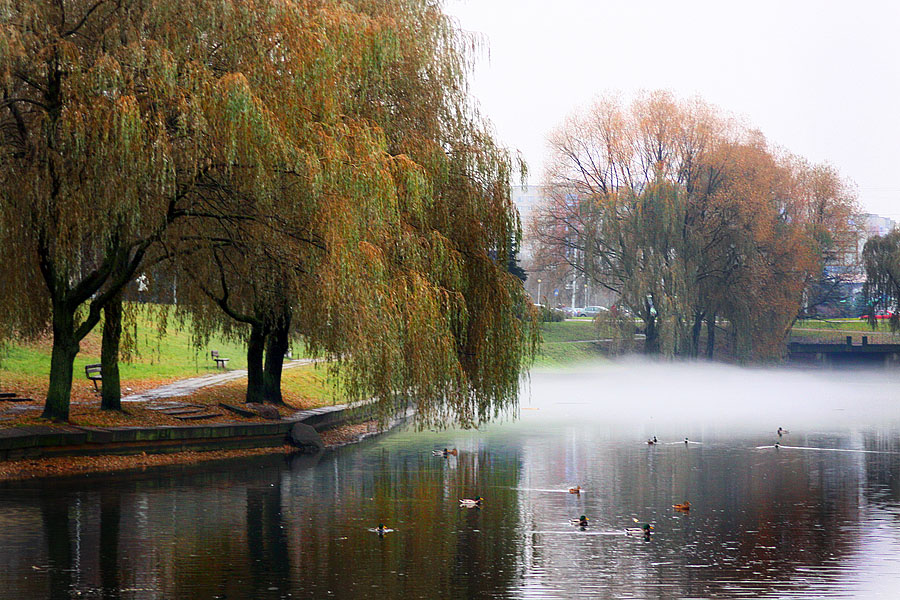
(305, 436)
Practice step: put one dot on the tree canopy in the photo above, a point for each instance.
(310, 168)
(686, 215)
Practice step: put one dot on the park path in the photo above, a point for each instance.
(186, 387)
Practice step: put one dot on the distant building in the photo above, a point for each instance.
(526, 198)
(844, 271)
(877, 225)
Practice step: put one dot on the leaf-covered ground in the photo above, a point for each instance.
(303, 387)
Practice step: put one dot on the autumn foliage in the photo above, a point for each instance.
(306, 170)
(689, 217)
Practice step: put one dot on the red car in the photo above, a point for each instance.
(880, 315)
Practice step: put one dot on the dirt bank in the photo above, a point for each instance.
(54, 467)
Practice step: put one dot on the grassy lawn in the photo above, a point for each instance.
(842, 325)
(158, 359)
(562, 354)
(568, 343)
(170, 356)
(569, 331)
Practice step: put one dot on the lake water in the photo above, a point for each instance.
(817, 518)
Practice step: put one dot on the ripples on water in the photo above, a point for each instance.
(797, 522)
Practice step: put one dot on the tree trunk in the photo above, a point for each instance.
(62, 358)
(276, 346)
(651, 336)
(256, 345)
(710, 335)
(695, 334)
(111, 394)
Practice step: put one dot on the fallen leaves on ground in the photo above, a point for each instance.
(85, 407)
(78, 465)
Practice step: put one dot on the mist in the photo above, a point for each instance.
(680, 399)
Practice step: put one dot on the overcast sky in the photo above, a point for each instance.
(820, 78)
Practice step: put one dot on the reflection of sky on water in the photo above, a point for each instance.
(797, 523)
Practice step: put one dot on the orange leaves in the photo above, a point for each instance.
(683, 213)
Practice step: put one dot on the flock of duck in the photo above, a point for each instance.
(642, 529)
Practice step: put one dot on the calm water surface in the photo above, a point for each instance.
(818, 522)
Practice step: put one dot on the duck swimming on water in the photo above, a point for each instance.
(685, 506)
(445, 453)
(643, 530)
(581, 521)
(471, 502)
(653, 440)
(575, 490)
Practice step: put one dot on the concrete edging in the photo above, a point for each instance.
(69, 440)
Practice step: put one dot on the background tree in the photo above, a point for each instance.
(687, 217)
(881, 291)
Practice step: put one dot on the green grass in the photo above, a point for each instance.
(311, 381)
(567, 354)
(568, 331)
(172, 355)
(842, 325)
(568, 343)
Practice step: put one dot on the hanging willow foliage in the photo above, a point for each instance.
(881, 260)
(687, 216)
(311, 165)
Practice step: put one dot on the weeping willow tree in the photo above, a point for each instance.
(389, 252)
(314, 166)
(687, 217)
(881, 260)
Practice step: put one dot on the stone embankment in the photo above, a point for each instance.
(53, 441)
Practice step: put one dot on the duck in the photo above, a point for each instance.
(581, 521)
(683, 506)
(643, 530)
(777, 446)
(575, 490)
(471, 502)
(653, 440)
(686, 441)
(381, 530)
(782, 431)
(445, 452)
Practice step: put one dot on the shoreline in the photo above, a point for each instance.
(26, 469)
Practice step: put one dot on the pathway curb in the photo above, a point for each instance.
(69, 440)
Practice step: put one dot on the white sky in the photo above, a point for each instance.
(818, 77)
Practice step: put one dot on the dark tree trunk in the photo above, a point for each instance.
(276, 346)
(651, 336)
(710, 335)
(62, 358)
(695, 334)
(255, 376)
(111, 390)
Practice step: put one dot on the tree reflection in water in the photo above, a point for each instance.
(792, 523)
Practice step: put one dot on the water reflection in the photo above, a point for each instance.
(763, 522)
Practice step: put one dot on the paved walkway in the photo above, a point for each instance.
(186, 387)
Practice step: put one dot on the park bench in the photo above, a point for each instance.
(94, 373)
(220, 362)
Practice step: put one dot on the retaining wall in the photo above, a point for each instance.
(69, 440)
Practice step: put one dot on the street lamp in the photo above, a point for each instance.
(539, 292)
